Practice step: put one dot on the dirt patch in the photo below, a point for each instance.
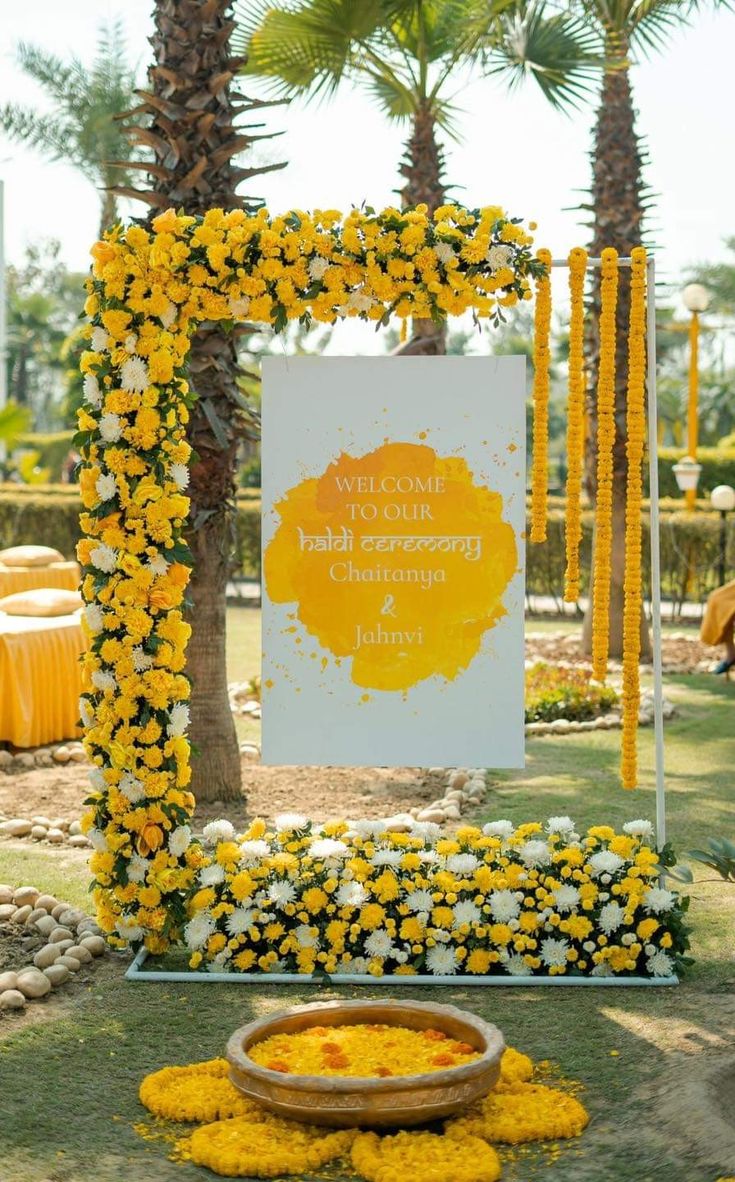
(320, 793)
(701, 1099)
(682, 653)
(18, 946)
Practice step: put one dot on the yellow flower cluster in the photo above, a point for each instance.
(198, 1092)
(636, 434)
(360, 899)
(428, 1156)
(605, 443)
(361, 1050)
(541, 368)
(575, 422)
(147, 292)
(514, 1113)
(243, 1148)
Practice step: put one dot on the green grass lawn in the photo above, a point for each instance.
(69, 1072)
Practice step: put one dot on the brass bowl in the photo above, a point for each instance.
(352, 1101)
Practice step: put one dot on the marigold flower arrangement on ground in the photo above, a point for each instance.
(254, 1143)
(148, 291)
(357, 898)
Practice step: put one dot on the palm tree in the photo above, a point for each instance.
(406, 54)
(81, 129)
(191, 113)
(618, 204)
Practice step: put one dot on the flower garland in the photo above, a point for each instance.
(541, 366)
(515, 1113)
(358, 898)
(428, 1156)
(575, 422)
(605, 442)
(200, 1092)
(243, 1148)
(636, 431)
(147, 292)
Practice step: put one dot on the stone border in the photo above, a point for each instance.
(59, 958)
(604, 722)
(15, 763)
(38, 828)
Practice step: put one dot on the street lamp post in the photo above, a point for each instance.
(696, 301)
(722, 499)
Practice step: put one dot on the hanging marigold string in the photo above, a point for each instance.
(605, 442)
(635, 433)
(541, 361)
(575, 422)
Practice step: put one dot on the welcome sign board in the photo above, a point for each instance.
(393, 520)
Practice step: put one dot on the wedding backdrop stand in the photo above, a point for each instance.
(138, 973)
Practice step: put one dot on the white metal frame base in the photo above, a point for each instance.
(138, 974)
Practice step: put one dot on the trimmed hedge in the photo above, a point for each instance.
(718, 467)
(47, 515)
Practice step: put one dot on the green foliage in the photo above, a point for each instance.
(718, 856)
(39, 517)
(51, 448)
(553, 692)
(718, 467)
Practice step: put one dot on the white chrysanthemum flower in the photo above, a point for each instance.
(601, 970)
(217, 831)
(92, 392)
(97, 779)
(554, 951)
(318, 267)
(129, 930)
(611, 917)
(516, 966)
(660, 964)
(502, 829)
(378, 944)
(281, 893)
(137, 868)
(426, 830)
(158, 564)
(276, 966)
(198, 930)
(106, 487)
(110, 427)
(534, 853)
(639, 828)
(605, 862)
(499, 256)
(658, 900)
(324, 848)
(561, 825)
(255, 850)
(350, 894)
(462, 864)
(289, 822)
(360, 300)
(504, 906)
(419, 901)
(240, 920)
(441, 960)
(566, 897)
(387, 857)
(130, 343)
(444, 251)
(357, 965)
(98, 840)
(307, 936)
(134, 375)
(367, 829)
(99, 339)
(212, 875)
(430, 857)
(103, 681)
(239, 308)
(104, 558)
(131, 787)
(178, 720)
(466, 912)
(141, 660)
(179, 473)
(179, 841)
(168, 315)
(94, 617)
(85, 712)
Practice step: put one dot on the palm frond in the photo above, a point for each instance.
(558, 50)
(50, 133)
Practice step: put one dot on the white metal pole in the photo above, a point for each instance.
(658, 680)
(3, 317)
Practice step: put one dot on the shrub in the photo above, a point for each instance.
(718, 467)
(553, 692)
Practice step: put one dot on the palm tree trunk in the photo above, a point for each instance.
(617, 199)
(108, 213)
(193, 132)
(423, 168)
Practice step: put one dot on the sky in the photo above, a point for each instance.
(514, 150)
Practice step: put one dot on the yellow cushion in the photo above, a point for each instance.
(29, 556)
(43, 601)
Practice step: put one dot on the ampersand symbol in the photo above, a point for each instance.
(388, 608)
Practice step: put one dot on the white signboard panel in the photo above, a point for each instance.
(393, 590)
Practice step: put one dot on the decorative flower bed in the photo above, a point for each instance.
(554, 691)
(357, 898)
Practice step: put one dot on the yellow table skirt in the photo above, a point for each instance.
(64, 575)
(718, 615)
(40, 679)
